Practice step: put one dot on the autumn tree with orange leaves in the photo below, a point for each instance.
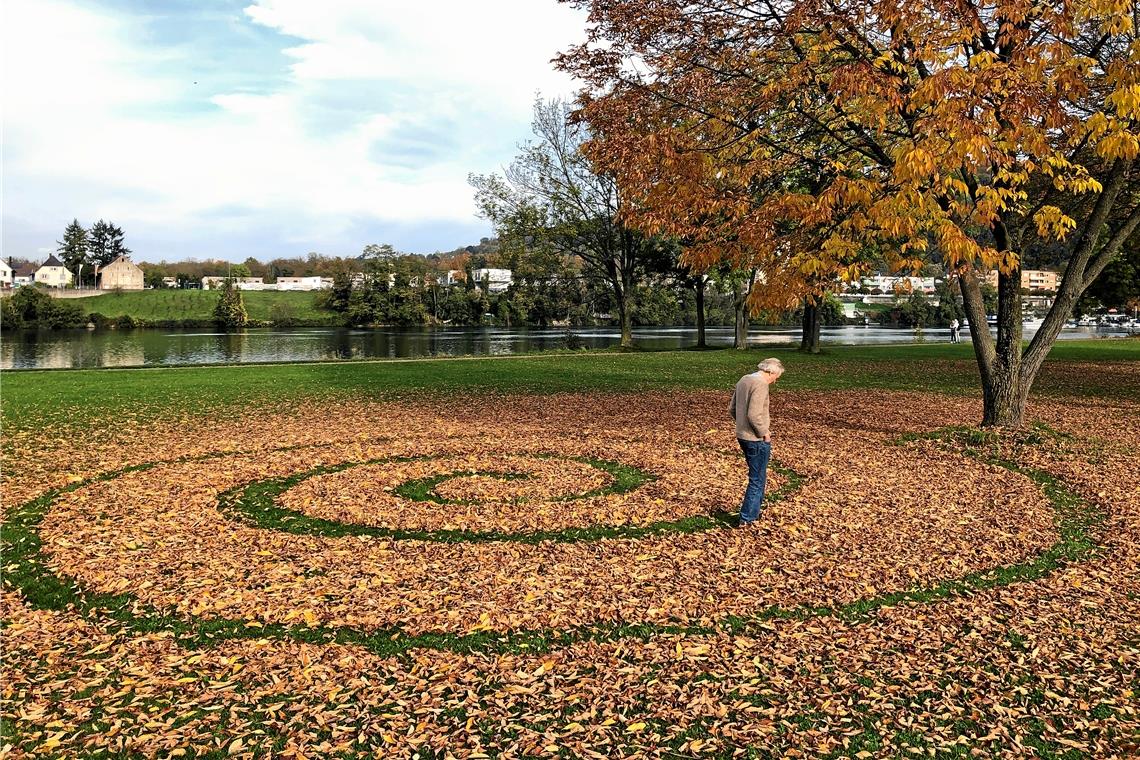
(808, 137)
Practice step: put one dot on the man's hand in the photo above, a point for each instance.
(767, 438)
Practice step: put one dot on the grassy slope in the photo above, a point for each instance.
(195, 304)
(76, 397)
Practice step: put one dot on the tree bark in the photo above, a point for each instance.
(1003, 396)
(809, 339)
(699, 287)
(740, 306)
(625, 319)
(1007, 371)
(626, 325)
(740, 334)
(624, 283)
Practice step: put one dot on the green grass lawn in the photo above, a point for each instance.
(76, 397)
(169, 305)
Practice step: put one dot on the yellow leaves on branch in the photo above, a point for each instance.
(1052, 222)
(1115, 16)
(914, 164)
(1126, 101)
(1119, 143)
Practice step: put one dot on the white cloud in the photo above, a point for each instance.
(500, 50)
(97, 124)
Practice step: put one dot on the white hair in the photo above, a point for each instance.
(771, 366)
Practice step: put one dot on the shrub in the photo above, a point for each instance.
(915, 312)
(10, 316)
(31, 306)
(283, 314)
(230, 309)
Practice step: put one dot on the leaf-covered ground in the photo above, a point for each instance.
(545, 575)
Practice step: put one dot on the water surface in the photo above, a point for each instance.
(159, 347)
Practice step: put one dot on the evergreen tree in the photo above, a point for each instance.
(105, 243)
(230, 310)
(99, 243)
(117, 245)
(73, 249)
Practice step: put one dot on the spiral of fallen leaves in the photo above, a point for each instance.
(389, 581)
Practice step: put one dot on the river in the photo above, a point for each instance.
(159, 347)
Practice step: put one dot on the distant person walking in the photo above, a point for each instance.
(955, 326)
(749, 409)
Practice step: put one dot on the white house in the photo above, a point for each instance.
(889, 285)
(53, 273)
(241, 283)
(300, 283)
(5, 274)
(497, 280)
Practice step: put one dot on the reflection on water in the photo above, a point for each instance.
(132, 348)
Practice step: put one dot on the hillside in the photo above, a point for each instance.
(198, 305)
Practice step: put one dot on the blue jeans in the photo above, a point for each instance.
(757, 454)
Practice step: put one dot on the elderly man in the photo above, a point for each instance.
(749, 408)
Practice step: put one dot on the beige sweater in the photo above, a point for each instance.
(749, 407)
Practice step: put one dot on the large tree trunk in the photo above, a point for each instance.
(740, 307)
(622, 273)
(809, 339)
(699, 287)
(1004, 387)
(1004, 401)
(626, 325)
(1003, 398)
(625, 318)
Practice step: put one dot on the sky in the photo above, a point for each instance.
(266, 128)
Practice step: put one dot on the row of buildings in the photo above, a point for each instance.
(124, 274)
(258, 283)
(121, 273)
(1033, 280)
(494, 280)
